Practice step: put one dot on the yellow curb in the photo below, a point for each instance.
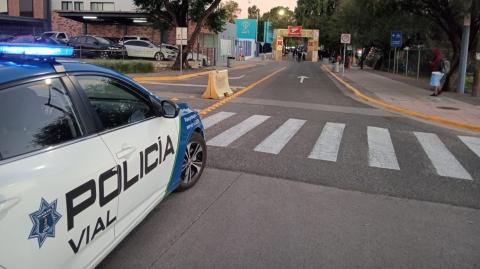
(399, 109)
(220, 103)
(182, 77)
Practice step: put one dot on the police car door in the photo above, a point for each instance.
(51, 215)
(143, 144)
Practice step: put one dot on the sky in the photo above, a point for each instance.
(264, 5)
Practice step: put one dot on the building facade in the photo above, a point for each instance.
(94, 5)
(24, 16)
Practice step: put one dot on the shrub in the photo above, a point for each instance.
(126, 66)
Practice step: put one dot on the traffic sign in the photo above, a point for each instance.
(396, 39)
(181, 35)
(345, 38)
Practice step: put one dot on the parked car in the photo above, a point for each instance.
(130, 37)
(62, 36)
(35, 39)
(115, 40)
(85, 154)
(96, 46)
(146, 49)
(170, 47)
(6, 38)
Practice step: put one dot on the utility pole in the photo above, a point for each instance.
(464, 54)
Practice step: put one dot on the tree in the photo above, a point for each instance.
(449, 16)
(232, 10)
(253, 12)
(167, 14)
(319, 14)
(279, 21)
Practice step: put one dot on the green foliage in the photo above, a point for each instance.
(253, 12)
(231, 9)
(166, 14)
(279, 21)
(128, 66)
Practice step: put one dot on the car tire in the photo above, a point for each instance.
(194, 162)
(159, 56)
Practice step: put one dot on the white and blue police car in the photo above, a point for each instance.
(85, 154)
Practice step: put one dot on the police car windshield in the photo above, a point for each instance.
(48, 34)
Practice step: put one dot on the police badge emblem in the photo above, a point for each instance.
(44, 221)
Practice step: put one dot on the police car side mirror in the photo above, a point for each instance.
(169, 109)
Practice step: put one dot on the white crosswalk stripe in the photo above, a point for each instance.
(216, 118)
(381, 149)
(277, 140)
(327, 145)
(226, 138)
(473, 143)
(381, 153)
(444, 162)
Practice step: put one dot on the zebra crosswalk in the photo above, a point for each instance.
(381, 149)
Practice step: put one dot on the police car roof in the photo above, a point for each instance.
(12, 70)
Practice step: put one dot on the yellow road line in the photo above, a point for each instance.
(219, 103)
(182, 77)
(403, 110)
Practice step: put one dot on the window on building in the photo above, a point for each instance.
(3, 6)
(102, 6)
(67, 5)
(26, 8)
(78, 6)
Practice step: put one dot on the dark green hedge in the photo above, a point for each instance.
(126, 66)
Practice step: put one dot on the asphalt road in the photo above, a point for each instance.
(302, 175)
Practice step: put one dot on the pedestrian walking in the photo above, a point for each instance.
(437, 74)
(299, 56)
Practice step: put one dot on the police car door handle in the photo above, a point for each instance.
(125, 152)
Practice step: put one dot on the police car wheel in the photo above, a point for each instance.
(194, 162)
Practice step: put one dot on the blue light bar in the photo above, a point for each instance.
(35, 50)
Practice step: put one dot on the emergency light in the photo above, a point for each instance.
(38, 50)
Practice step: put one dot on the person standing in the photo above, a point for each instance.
(437, 75)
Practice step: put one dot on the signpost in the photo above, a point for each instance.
(395, 42)
(181, 39)
(406, 64)
(345, 39)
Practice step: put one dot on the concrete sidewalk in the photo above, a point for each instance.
(397, 91)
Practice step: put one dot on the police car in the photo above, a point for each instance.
(85, 154)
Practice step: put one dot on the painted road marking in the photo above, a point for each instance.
(216, 118)
(327, 146)
(381, 153)
(473, 143)
(226, 138)
(239, 77)
(444, 162)
(278, 140)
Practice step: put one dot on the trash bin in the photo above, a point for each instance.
(230, 61)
